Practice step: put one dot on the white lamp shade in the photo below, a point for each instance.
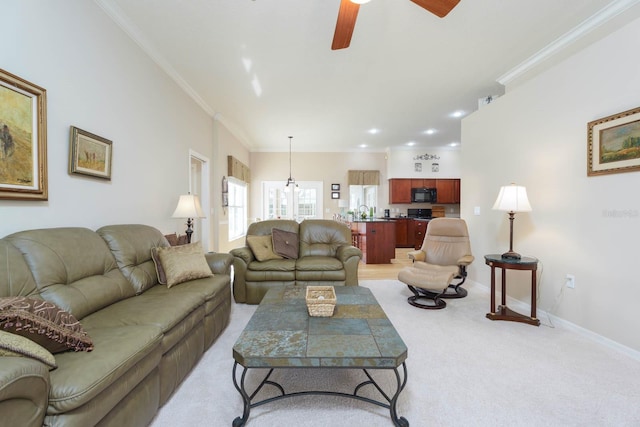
(188, 207)
(512, 198)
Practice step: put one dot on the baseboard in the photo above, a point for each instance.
(525, 308)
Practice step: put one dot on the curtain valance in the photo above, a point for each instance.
(238, 170)
(364, 177)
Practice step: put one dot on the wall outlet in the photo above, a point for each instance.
(570, 281)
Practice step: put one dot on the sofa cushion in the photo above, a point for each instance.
(73, 268)
(285, 243)
(183, 263)
(83, 377)
(19, 346)
(323, 237)
(43, 322)
(262, 247)
(131, 244)
(15, 276)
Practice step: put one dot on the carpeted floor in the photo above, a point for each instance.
(463, 370)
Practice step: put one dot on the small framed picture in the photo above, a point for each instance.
(613, 143)
(335, 187)
(435, 167)
(335, 194)
(89, 154)
(417, 167)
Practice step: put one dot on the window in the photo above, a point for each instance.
(237, 208)
(363, 195)
(305, 202)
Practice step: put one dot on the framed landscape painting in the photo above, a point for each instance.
(89, 154)
(23, 139)
(613, 143)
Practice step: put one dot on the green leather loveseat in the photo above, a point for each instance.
(322, 255)
(146, 336)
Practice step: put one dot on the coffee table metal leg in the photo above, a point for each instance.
(402, 421)
(240, 421)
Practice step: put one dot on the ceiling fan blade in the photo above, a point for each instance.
(345, 24)
(439, 8)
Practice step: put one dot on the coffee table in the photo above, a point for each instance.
(282, 335)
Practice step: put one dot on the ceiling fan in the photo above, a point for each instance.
(349, 12)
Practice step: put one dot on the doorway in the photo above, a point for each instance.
(199, 186)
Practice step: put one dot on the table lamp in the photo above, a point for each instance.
(188, 207)
(512, 198)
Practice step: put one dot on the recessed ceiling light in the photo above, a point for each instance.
(360, 1)
(458, 114)
(411, 143)
(454, 144)
(430, 131)
(363, 145)
(374, 131)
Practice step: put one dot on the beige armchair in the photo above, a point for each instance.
(443, 259)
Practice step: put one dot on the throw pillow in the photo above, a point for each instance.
(285, 243)
(19, 346)
(162, 277)
(43, 322)
(262, 247)
(183, 263)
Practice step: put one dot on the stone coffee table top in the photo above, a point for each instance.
(282, 334)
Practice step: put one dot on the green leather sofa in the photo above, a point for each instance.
(146, 336)
(325, 257)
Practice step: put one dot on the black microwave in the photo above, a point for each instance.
(423, 195)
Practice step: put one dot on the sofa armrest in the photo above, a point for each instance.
(219, 263)
(345, 252)
(24, 391)
(245, 253)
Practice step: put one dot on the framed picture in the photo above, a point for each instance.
(225, 200)
(89, 154)
(335, 194)
(335, 187)
(417, 167)
(613, 143)
(23, 139)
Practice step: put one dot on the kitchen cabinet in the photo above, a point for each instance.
(448, 190)
(420, 231)
(377, 240)
(399, 191)
(405, 232)
(423, 183)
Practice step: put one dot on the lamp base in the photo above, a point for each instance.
(511, 255)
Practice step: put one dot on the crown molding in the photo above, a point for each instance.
(605, 14)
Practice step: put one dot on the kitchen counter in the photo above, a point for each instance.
(377, 238)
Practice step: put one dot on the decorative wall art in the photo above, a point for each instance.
(23, 139)
(335, 194)
(225, 192)
(613, 144)
(435, 167)
(417, 167)
(335, 187)
(89, 154)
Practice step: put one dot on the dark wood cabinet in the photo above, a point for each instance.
(420, 231)
(377, 241)
(399, 191)
(405, 232)
(448, 190)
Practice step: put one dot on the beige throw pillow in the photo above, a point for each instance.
(183, 263)
(262, 247)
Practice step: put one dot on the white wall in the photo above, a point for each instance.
(536, 135)
(401, 163)
(98, 80)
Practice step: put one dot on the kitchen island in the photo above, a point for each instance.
(376, 240)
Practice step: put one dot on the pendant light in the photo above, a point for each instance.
(291, 183)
